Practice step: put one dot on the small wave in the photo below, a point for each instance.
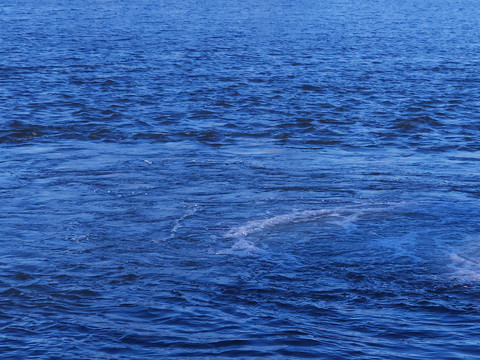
(308, 87)
(292, 218)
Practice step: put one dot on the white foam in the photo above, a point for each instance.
(178, 223)
(243, 248)
(259, 225)
(466, 268)
(346, 222)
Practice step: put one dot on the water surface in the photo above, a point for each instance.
(239, 180)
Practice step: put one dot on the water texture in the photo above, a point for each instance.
(240, 179)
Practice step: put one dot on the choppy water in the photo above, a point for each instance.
(240, 179)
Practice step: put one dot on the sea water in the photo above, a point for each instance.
(239, 179)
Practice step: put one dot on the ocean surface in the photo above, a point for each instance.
(240, 179)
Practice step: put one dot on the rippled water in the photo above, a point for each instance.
(240, 179)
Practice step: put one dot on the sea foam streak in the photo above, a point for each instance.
(295, 217)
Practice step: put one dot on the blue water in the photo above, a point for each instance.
(240, 179)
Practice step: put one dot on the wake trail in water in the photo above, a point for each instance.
(345, 217)
(255, 226)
